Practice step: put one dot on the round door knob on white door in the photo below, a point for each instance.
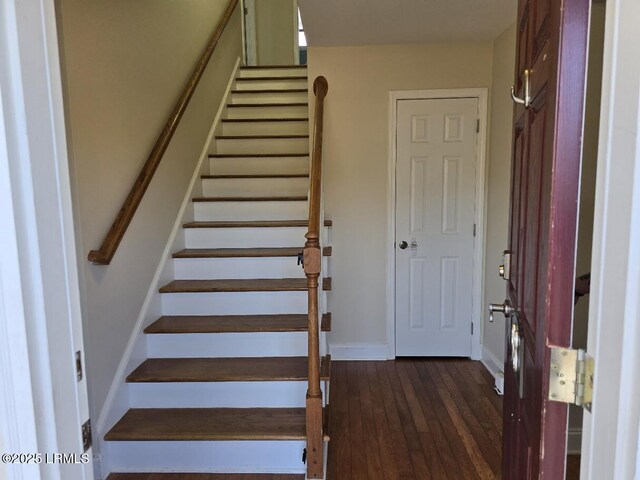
(403, 245)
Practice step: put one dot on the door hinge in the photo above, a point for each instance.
(474, 229)
(86, 435)
(478, 126)
(471, 328)
(571, 377)
(79, 365)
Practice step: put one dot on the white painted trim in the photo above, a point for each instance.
(480, 214)
(117, 384)
(492, 363)
(610, 440)
(358, 351)
(250, 38)
(296, 47)
(42, 405)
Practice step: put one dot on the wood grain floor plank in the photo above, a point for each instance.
(400, 447)
(448, 428)
(421, 470)
(442, 461)
(490, 446)
(342, 435)
(374, 466)
(383, 431)
(359, 467)
(480, 464)
(490, 419)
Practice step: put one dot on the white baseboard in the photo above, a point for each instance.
(574, 441)
(358, 351)
(493, 364)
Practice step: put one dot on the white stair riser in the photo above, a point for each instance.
(269, 112)
(259, 267)
(265, 128)
(207, 457)
(259, 166)
(244, 237)
(220, 345)
(271, 84)
(252, 187)
(272, 72)
(234, 303)
(283, 394)
(262, 145)
(250, 210)
(269, 97)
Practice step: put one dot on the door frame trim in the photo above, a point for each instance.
(43, 405)
(611, 438)
(480, 214)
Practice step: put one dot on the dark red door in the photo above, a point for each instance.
(551, 63)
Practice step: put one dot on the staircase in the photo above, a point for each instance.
(223, 388)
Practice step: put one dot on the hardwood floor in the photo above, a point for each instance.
(408, 419)
(414, 419)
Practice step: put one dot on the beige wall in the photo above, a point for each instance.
(498, 186)
(275, 32)
(356, 162)
(125, 63)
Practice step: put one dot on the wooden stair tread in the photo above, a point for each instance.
(246, 79)
(249, 120)
(179, 424)
(253, 224)
(270, 67)
(284, 175)
(257, 155)
(244, 252)
(258, 137)
(273, 90)
(248, 105)
(299, 198)
(177, 324)
(241, 285)
(204, 476)
(244, 369)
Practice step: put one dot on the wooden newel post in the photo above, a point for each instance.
(312, 268)
(315, 463)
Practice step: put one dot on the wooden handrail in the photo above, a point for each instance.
(117, 230)
(312, 268)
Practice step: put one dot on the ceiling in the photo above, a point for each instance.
(380, 22)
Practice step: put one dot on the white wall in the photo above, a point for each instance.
(125, 64)
(498, 187)
(356, 162)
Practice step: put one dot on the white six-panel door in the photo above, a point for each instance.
(435, 211)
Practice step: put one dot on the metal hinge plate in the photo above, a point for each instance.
(86, 435)
(571, 377)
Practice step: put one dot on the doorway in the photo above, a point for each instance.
(436, 210)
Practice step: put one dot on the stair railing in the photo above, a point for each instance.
(312, 269)
(112, 239)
